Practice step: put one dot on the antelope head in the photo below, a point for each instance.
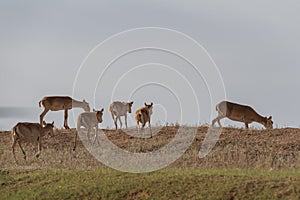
(129, 106)
(150, 107)
(49, 128)
(269, 123)
(86, 106)
(99, 114)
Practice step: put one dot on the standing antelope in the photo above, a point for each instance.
(241, 113)
(119, 109)
(88, 120)
(143, 115)
(56, 103)
(30, 132)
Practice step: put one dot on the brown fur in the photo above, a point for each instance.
(29, 132)
(56, 103)
(143, 115)
(241, 113)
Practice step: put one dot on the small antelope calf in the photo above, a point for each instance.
(143, 115)
(119, 109)
(30, 132)
(240, 113)
(89, 120)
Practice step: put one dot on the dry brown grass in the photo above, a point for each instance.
(236, 148)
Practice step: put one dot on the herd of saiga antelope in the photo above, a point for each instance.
(33, 132)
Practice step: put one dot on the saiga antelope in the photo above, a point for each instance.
(88, 120)
(240, 113)
(118, 109)
(56, 103)
(143, 115)
(30, 133)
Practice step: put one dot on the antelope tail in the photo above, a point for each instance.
(111, 112)
(14, 132)
(140, 116)
(40, 103)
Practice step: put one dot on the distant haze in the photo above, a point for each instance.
(255, 45)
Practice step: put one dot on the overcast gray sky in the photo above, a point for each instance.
(255, 45)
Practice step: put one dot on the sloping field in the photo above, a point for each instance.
(244, 164)
(164, 184)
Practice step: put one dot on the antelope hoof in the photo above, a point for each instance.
(24, 157)
(67, 127)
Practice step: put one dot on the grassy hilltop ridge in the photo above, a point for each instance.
(244, 164)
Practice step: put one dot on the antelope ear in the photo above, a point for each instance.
(44, 123)
(270, 117)
(145, 104)
(102, 109)
(131, 102)
(151, 103)
(52, 123)
(83, 101)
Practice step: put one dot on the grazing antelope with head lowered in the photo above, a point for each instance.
(241, 113)
(88, 120)
(119, 109)
(30, 132)
(55, 103)
(143, 115)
